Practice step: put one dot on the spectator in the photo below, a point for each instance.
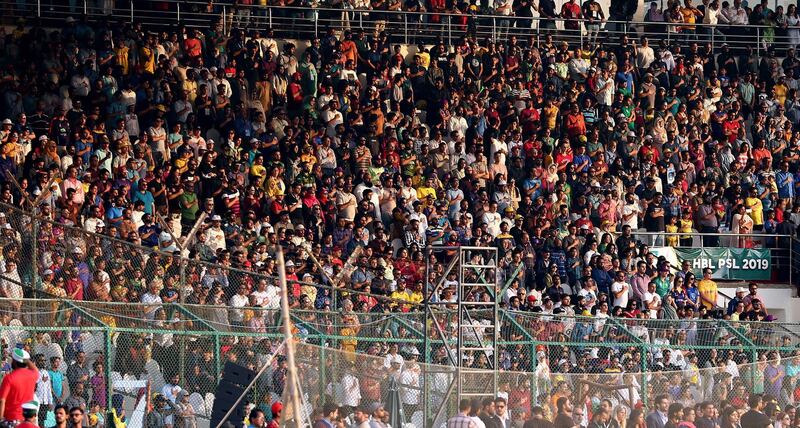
(18, 386)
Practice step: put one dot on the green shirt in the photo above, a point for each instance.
(189, 213)
(662, 286)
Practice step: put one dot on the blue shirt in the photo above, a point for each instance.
(146, 198)
(57, 380)
(785, 183)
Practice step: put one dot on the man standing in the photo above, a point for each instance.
(755, 417)
(620, 289)
(708, 290)
(564, 417)
(462, 419)
(501, 410)
(658, 418)
(709, 223)
(18, 386)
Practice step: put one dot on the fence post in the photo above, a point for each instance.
(494, 29)
(39, 8)
(107, 365)
(645, 398)
(131, 16)
(86, 7)
(179, 11)
(316, 23)
(269, 16)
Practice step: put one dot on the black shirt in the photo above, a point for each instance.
(755, 419)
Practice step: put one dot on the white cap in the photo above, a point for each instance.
(216, 217)
(31, 405)
(289, 263)
(77, 250)
(740, 290)
(20, 355)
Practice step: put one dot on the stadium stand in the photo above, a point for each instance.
(148, 178)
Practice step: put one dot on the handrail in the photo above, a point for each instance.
(306, 21)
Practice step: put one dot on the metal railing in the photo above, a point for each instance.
(403, 26)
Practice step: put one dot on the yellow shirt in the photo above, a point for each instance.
(550, 115)
(672, 240)
(148, 59)
(121, 54)
(708, 289)
(685, 226)
(780, 93)
(424, 192)
(756, 210)
(260, 172)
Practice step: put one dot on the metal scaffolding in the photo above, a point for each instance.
(461, 331)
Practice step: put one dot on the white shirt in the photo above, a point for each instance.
(652, 298)
(153, 300)
(238, 301)
(216, 238)
(629, 209)
(170, 392)
(44, 389)
(616, 287)
(410, 378)
(492, 220)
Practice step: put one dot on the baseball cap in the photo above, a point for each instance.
(276, 408)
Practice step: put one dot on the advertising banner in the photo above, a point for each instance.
(726, 263)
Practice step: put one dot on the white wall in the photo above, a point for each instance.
(779, 300)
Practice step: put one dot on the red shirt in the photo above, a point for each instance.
(17, 389)
(27, 425)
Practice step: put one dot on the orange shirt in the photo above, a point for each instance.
(349, 51)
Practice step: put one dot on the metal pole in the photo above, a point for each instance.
(758, 41)
(316, 23)
(292, 381)
(405, 27)
(131, 11)
(449, 30)
(269, 15)
(39, 8)
(86, 7)
(179, 11)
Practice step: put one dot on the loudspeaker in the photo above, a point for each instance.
(237, 374)
(235, 379)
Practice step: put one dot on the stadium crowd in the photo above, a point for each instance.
(555, 154)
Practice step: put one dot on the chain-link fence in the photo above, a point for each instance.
(111, 354)
(81, 279)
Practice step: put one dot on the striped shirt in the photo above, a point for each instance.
(461, 421)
